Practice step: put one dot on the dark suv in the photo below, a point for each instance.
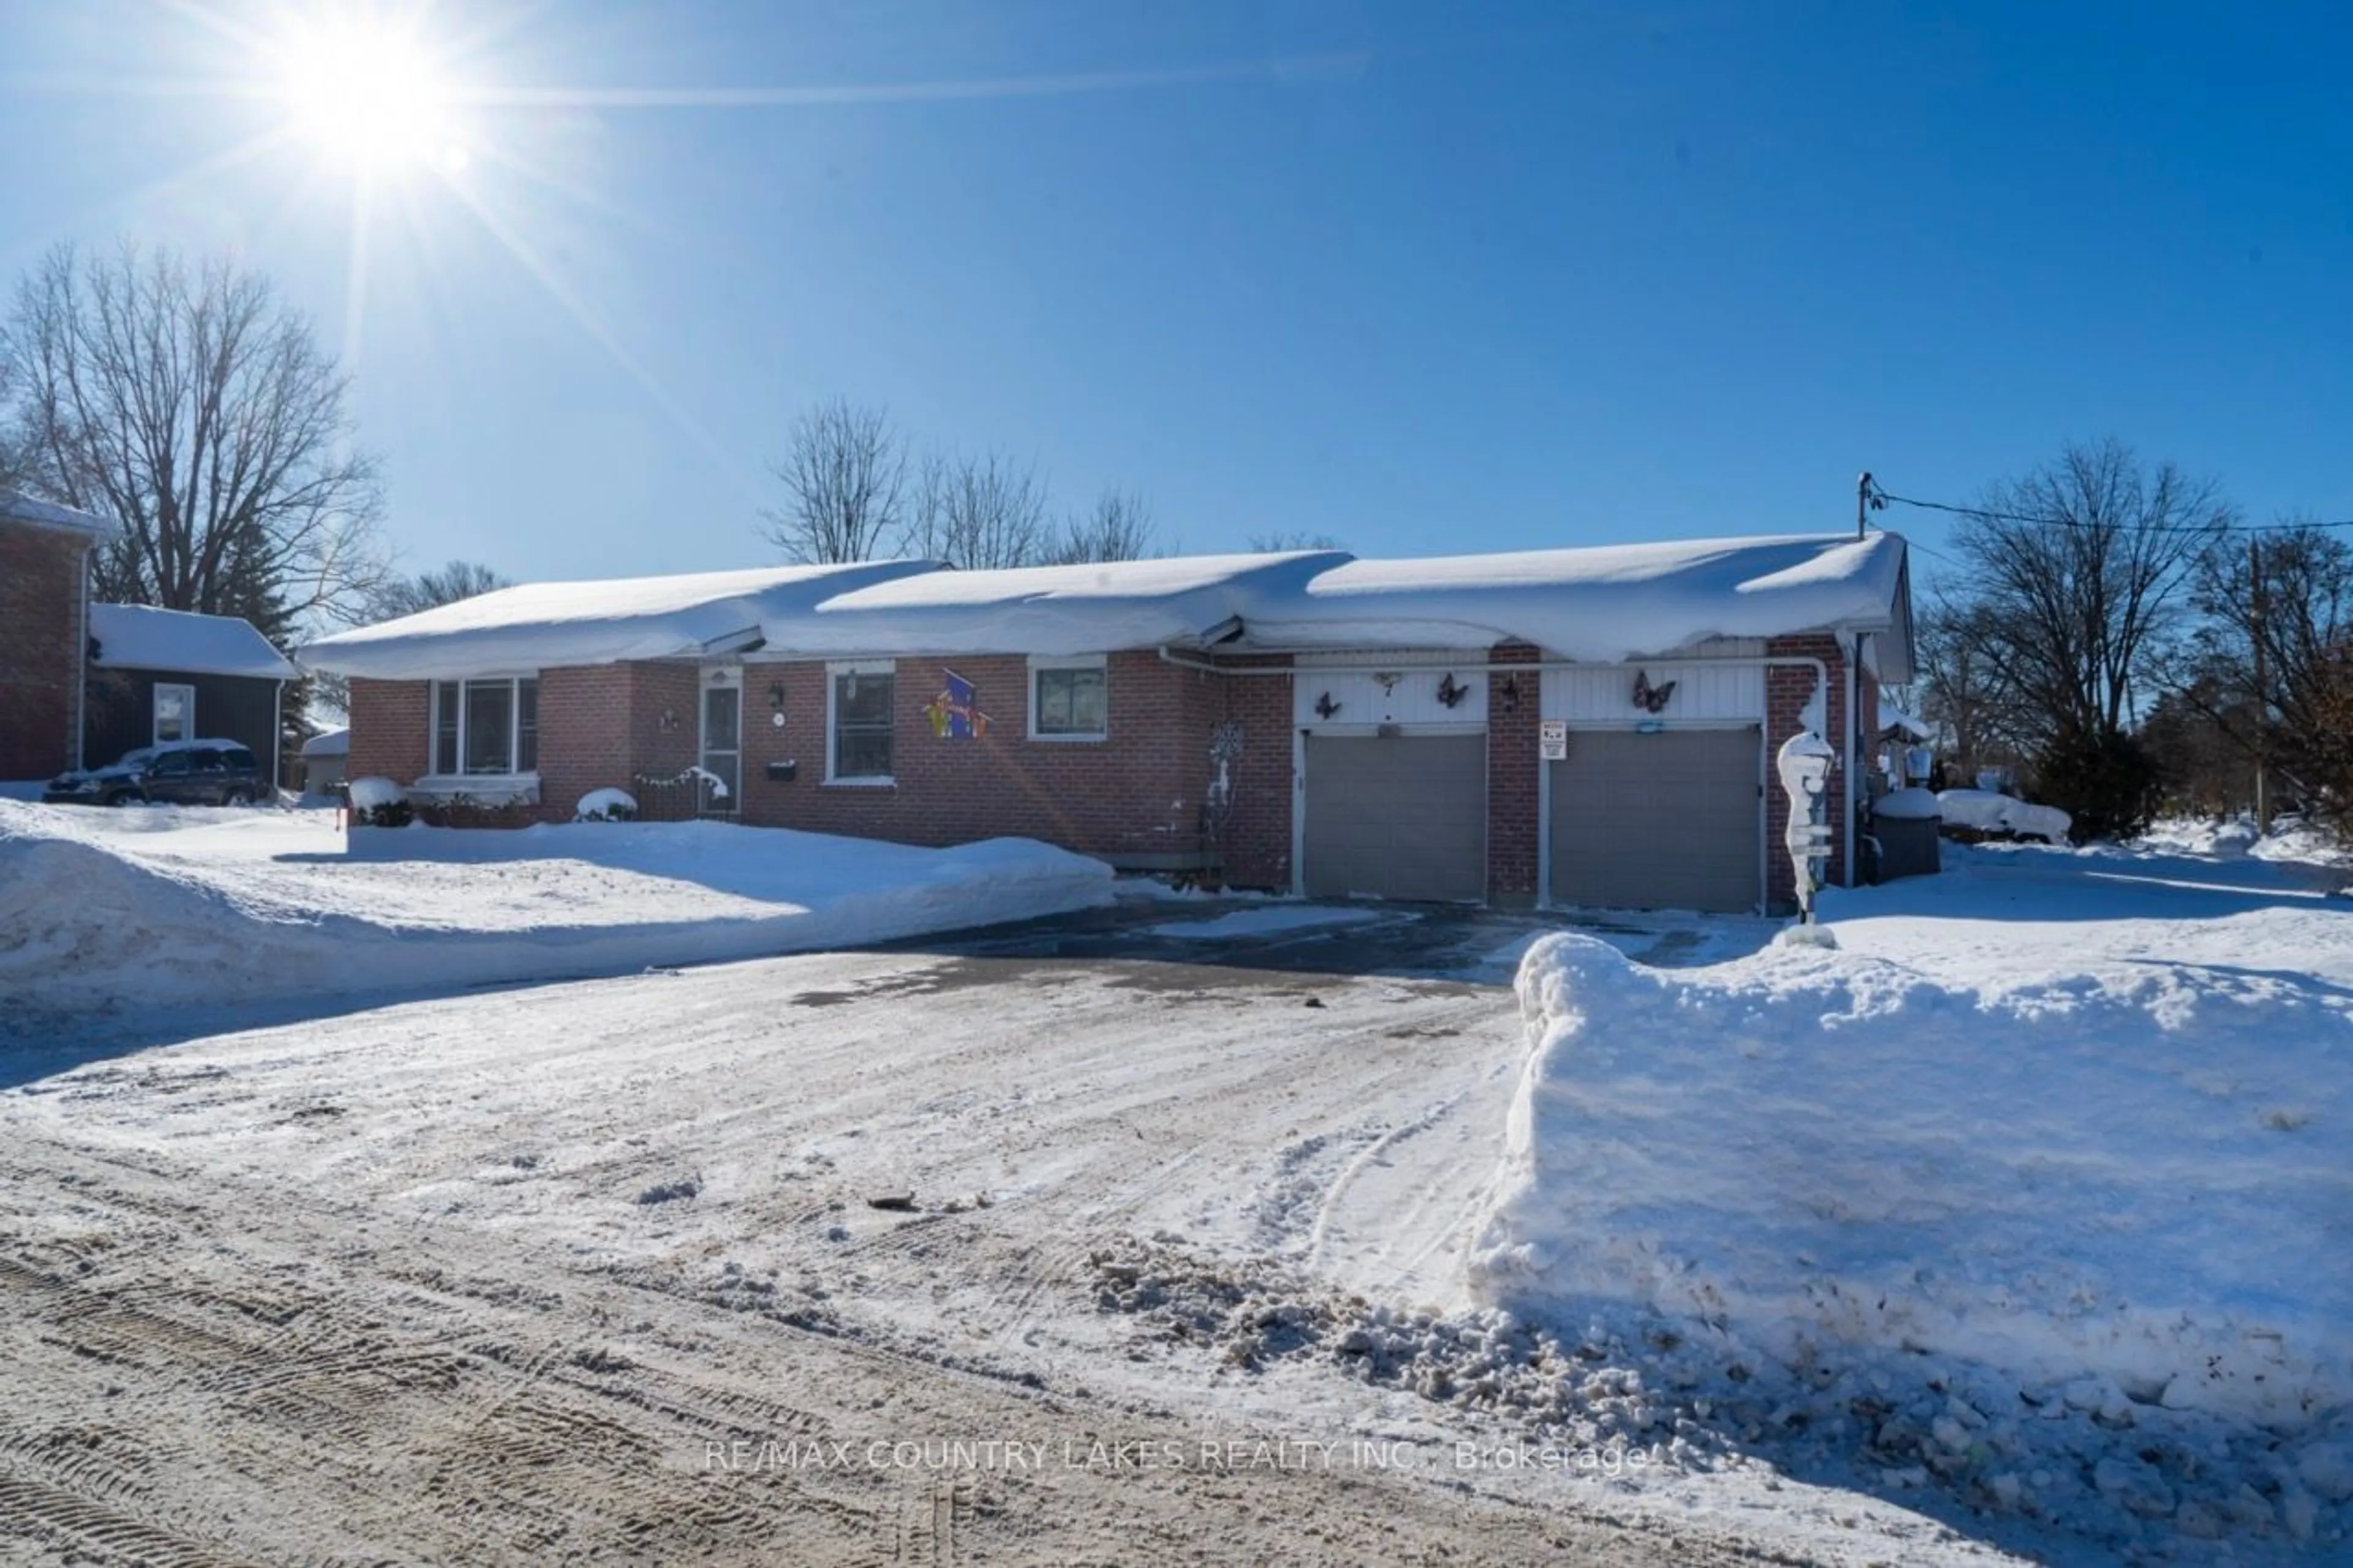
(188, 772)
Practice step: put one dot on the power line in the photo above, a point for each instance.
(2077, 523)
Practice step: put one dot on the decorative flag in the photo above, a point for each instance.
(955, 712)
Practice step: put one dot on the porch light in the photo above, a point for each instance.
(776, 694)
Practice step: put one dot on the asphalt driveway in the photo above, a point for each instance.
(1424, 942)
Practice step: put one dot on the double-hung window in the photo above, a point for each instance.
(1069, 699)
(859, 705)
(486, 727)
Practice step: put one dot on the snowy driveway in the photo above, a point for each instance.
(508, 1275)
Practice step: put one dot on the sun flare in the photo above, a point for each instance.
(368, 95)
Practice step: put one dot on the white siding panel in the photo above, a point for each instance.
(1705, 690)
(1411, 699)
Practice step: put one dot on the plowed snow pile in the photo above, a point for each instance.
(156, 906)
(2074, 1244)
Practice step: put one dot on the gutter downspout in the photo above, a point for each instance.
(277, 738)
(1763, 661)
(1854, 791)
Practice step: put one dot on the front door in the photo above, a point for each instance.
(722, 741)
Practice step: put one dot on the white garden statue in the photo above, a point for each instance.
(1805, 761)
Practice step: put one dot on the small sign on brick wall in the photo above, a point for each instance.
(1552, 740)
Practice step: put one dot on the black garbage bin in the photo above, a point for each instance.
(1906, 825)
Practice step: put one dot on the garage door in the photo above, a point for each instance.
(1670, 821)
(1398, 817)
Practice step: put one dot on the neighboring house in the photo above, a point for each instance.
(1565, 727)
(324, 756)
(44, 628)
(158, 675)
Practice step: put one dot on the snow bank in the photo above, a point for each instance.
(98, 914)
(604, 805)
(2102, 1194)
(1986, 811)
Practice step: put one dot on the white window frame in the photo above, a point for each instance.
(511, 777)
(155, 712)
(834, 669)
(1039, 664)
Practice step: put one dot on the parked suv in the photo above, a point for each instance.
(186, 773)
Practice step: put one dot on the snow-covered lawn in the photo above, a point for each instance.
(2039, 1186)
(172, 906)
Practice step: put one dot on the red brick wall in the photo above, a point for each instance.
(1515, 771)
(598, 725)
(585, 737)
(1258, 837)
(1787, 688)
(390, 721)
(42, 571)
(1136, 796)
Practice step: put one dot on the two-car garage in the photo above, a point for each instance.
(1393, 791)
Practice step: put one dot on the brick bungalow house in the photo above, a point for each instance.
(44, 628)
(1567, 727)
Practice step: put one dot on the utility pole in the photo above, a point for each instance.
(2256, 609)
(1868, 498)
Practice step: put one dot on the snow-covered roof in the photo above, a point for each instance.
(1051, 610)
(1608, 603)
(1602, 603)
(539, 626)
(17, 507)
(328, 743)
(140, 637)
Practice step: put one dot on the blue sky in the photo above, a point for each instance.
(1556, 274)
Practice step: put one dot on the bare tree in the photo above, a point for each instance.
(429, 590)
(2269, 665)
(980, 513)
(187, 402)
(845, 478)
(1118, 529)
(2076, 573)
(1962, 694)
(1282, 543)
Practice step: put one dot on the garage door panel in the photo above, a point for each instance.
(1660, 821)
(1401, 816)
